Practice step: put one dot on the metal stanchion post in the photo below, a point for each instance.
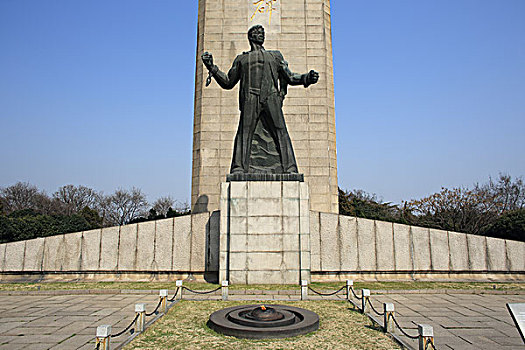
(224, 290)
(103, 336)
(365, 294)
(426, 335)
(178, 284)
(140, 309)
(163, 294)
(388, 317)
(349, 285)
(304, 289)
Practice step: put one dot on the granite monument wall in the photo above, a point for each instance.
(177, 246)
(341, 247)
(345, 247)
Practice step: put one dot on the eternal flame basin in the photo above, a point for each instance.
(263, 321)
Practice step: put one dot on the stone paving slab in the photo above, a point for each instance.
(460, 321)
(64, 321)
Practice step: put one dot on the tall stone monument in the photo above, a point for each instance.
(300, 30)
(265, 209)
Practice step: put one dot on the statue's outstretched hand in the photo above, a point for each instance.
(207, 59)
(313, 77)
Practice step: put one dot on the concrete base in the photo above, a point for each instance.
(102, 276)
(265, 233)
(429, 276)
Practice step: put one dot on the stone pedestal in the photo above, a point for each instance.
(265, 232)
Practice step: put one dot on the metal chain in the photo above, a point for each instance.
(154, 311)
(402, 331)
(201, 292)
(126, 329)
(327, 294)
(355, 295)
(174, 295)
(374, 309)
(431, 344)
(137, 316)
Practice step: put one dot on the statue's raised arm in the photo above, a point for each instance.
(225, 81)
(296, 79)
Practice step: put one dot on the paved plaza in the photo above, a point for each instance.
(65, 321)
(46, 321)
(460, 321)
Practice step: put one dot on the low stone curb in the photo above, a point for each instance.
(447, 291)
(258, 292)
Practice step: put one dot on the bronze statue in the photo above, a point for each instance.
(264, 77)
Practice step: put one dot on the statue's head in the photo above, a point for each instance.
(256, 34)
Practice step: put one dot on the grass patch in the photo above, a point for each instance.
(184, 327)
(514, 286)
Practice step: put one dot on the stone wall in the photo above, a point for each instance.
(177, 246)
(301, 30)
(348, 247)
(341, 247)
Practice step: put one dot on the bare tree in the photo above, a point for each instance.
(123, 206)
(182, 207)
(76, 198)
(21, 195)
(456, 209)
(163, 204)
(505, 193)
(48, 206)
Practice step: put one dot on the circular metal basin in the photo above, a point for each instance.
(260, 322)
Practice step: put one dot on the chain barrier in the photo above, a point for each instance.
(355, 295)
(127, 328)
(428, 346)
(326, 294)
(174, 295)
(374, 309)
(155, 311)
(202, 292)
(431, 345)
(402, 331)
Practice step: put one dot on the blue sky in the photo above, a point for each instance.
(100, 93)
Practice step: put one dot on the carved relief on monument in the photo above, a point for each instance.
(266, 13)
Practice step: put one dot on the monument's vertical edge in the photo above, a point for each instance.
(301, 30)
(332, 149)
(196, 156)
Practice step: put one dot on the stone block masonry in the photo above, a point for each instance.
(301, 30)
(265, 232)
(174, 248)
(284, 238)
(345, 247)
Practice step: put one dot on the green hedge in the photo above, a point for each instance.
(28, 224)
(510, 225)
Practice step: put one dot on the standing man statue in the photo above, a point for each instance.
(264, 77)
